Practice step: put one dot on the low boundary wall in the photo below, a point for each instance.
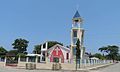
(2, 63)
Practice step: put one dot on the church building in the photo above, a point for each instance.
(62, 54)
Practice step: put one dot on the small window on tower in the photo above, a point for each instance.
(67, 56)
(76, 20)
(44, 45)
(74, 33)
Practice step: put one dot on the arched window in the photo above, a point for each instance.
(67, 55)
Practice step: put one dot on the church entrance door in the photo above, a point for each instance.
(56, 60)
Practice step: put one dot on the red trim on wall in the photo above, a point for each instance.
(57, 53)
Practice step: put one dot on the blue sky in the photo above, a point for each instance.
(42, 20)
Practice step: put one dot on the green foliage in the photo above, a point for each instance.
(78, 49)
(21, 55)
(78, 52)
(103, 49)
(20, 45)
(37, 49)
(3, 51)
(98, 55)
(52, 43)
(118, 58)
(112, 51)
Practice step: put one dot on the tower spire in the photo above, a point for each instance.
(77, 15)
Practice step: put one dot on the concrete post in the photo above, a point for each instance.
(97, 62)
(19, 59)
(85, 62)
(46, 45)
(36, 59)
(5, 61)
(89, 62)
(60, 60)
(41, 55)
(81, 55)
(93, 61)
(27, 59)
(105, 61)
(46, 55)
(100, 61)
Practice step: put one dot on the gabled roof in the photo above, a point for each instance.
(95, 58)
(77, 15)
(11, 54)
(65, 48)
(33, 55)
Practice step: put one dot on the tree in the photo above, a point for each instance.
(52, 43)
(103, 49)
(20, 45)
(37, 49)
(78, 53)
(3, 51)
(118, 59)
(112, 51)
(98, 55)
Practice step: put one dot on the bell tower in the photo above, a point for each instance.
(77, 32)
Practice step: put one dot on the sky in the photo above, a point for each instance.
(42, 20)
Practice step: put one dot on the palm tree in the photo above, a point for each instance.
(112, 51)
(37, 49)
(3, 51)
(98, 55)
(103, 49)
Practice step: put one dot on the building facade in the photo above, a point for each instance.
(62, 54)
(59, 54)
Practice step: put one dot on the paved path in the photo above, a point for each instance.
(11, 69)
(112, 68)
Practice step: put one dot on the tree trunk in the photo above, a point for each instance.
(76, 62)
(79, 63)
